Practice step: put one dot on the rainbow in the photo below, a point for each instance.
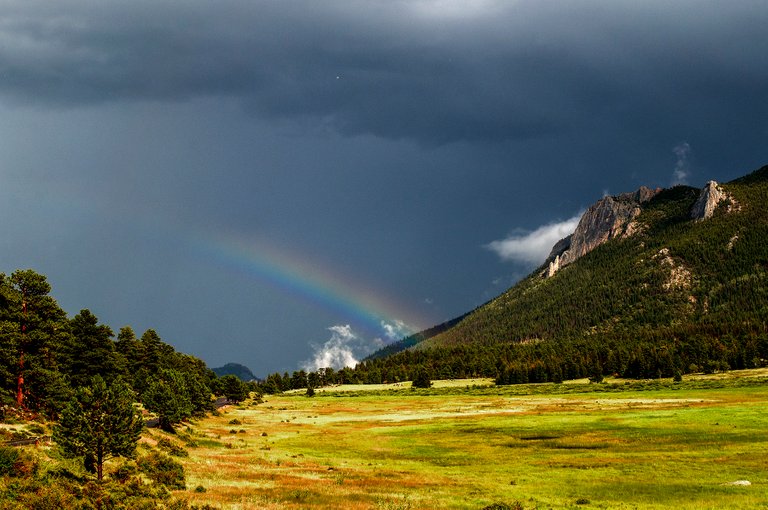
(307, 281)
(299, 277)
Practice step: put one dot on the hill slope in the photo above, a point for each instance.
(240, 371)
(695, 287)
(673, 269)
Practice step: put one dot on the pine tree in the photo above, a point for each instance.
(91, 350)
(421, 378)
(127, 346)
(99, 423)
(168, 396)
(33, 329)
(234, 389)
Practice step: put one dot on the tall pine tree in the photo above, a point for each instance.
(33, 327)
(99, 423)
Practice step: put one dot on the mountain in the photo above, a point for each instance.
(236, 369)
(607, 219)
(679, 270)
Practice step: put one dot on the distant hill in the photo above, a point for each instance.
(236, 369)
(652, 282)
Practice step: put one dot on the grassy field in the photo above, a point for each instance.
(617, 445)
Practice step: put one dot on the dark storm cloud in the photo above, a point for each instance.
(433, 71)
(386, 142)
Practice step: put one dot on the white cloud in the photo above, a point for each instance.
(533, 247)
(682, 167)
(395, 329)
(346, 347)
(337, 352)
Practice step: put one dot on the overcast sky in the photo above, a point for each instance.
(293, 183)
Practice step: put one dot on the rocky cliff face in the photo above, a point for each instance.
(709, 198)
(608, 218)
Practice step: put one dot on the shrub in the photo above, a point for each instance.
(36, 429)
(163, 470)
(503, 506)
(9, 457)
(14, 462)
(172, 448)
(177, 504)
(124, 472)
(51, 497)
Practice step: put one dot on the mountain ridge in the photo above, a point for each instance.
(677, 262)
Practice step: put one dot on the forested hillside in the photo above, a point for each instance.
(45, 356)
(677, 295)
(674, 270)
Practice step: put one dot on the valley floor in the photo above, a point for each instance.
(626, 445)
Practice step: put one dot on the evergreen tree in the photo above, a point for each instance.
(127, 346)
(99, 423)
(199, 395)
(33, 329)
(234, 389)
(299, 380)
(153, 351)
(169, 397)
(91, 351)
(421, 379)
(271, 386)
(48, 391)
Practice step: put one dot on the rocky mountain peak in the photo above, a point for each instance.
(709, 198)
(609, 217)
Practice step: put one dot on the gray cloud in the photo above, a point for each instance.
(381, 141)
(427, 70)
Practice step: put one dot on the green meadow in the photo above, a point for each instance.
(622, 444)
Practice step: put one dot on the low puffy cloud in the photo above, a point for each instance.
(346, 346)
(336, 352)
(395, 329)
(532, 248)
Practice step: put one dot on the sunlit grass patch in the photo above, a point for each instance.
(636, 445)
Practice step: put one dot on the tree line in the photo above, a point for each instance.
(642, 354)
(45, 357)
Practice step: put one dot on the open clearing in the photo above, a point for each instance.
(626, 445)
